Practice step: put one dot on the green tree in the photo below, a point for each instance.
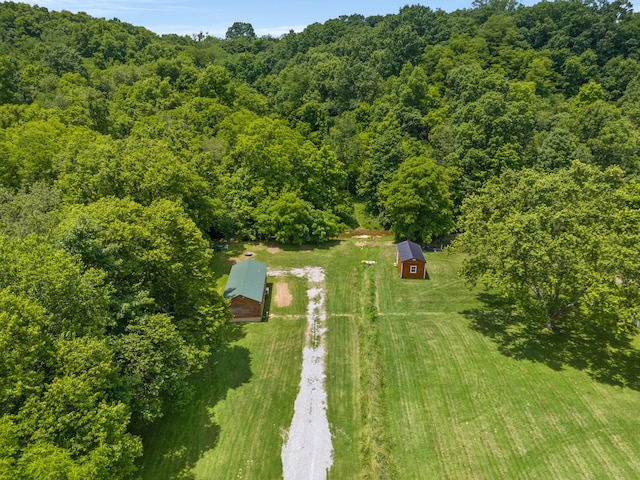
(499, 31)
(62, 59)
(25, 348)
(80, 427)
(75, 297)
(610, 137)
(9, 79)
(29, 210)
(416, 201)
(589, 94)
(539, 70)
(291, 220)
(46, 460)
(144, 98)
(265, 158)
(154, 362)
(578, 70)
(321, 180)
(155, 251)
(215, 82)
(555, 244)
(559, 149)
(349, 145)
(386, 155)
(240, 30)
(9, 448)
(29, 150)
(57, 372)
(141, 168)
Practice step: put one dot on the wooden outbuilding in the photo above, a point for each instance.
(410, 260)
(246, 288)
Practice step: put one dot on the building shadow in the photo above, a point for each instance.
(267, 302)
(584, 344)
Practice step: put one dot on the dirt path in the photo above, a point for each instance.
(307, 452)
(282, 296)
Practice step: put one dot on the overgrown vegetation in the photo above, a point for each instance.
(374, 441)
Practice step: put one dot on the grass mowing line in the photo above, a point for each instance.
(496, 417)
(375, 449)
(343, 394)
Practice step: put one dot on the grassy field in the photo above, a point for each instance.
(234, 425)
(466, 400)
(423, 381)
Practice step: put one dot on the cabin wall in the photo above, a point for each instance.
(246, 310)
(405, 269)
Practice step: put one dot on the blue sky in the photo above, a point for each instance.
(215, 17)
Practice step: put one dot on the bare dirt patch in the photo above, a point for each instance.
(372, 243)
(281, 296)
(364, 233)
(273, 249)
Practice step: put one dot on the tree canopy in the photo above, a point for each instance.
(124, 153)
(559, 244)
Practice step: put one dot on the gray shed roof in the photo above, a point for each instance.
(409, 250)
(246, 279)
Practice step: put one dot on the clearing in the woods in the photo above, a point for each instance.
(423, 380)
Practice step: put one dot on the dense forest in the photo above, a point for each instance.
(124, 153)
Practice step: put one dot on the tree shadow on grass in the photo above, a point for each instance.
(587, 346)
(222, 261)
(308, 247)
(174, 444)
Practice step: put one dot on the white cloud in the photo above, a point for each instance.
(278, 31)
(123, 9)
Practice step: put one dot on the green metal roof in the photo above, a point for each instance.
(246, 279)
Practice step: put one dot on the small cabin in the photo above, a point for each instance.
(246, 288)
(410, 260)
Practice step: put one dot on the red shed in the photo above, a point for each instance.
(410, 260)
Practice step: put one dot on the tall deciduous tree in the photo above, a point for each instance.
(75, 296)
(24, 346)
(240, 30)
(9, 79)
(416, 200)
(155, 250)
(556, 244)
(293, 220)
(58, 375)
(30, 210)
(154, 363)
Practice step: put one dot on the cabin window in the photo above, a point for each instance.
(413, 269)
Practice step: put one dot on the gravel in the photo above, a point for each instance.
(307, 452)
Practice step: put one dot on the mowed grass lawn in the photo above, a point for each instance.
(458, 408)
(457, 402)
(243, 403)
